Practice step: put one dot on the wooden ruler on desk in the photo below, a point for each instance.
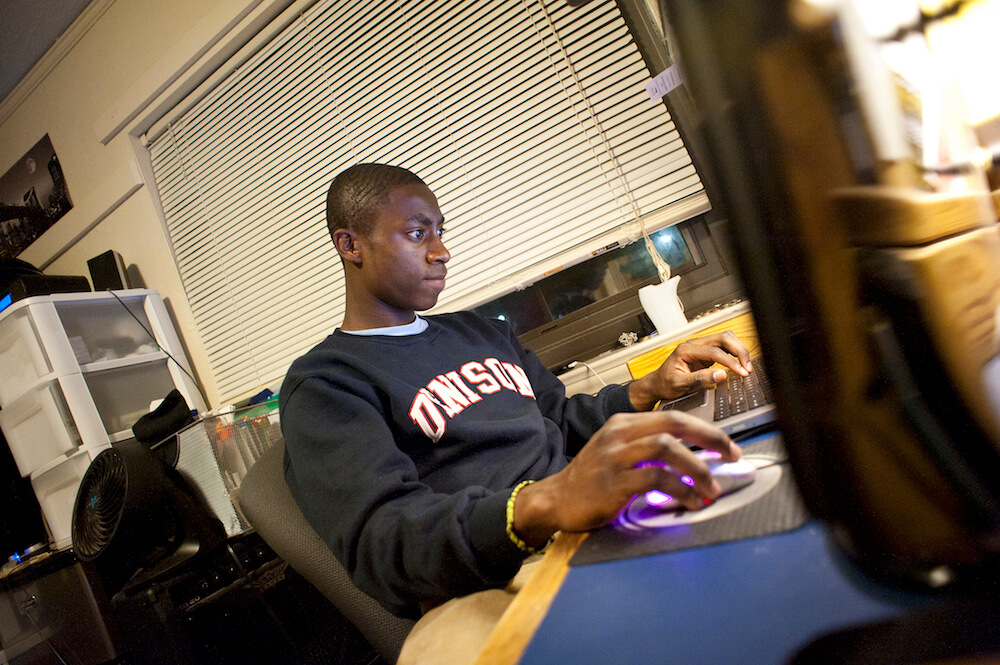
(510, 637)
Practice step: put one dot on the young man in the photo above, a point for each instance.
(434, 454)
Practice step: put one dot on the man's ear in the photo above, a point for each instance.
(348, 246)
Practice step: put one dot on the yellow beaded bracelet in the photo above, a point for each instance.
(514, 538)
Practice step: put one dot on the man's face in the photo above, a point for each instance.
(403, 258)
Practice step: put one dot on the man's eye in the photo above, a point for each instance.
(416, 234)
(440, 233)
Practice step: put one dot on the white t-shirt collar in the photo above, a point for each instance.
(417, 326)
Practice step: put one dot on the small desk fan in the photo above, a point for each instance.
(137, 518)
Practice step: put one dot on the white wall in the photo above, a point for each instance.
(113, 71)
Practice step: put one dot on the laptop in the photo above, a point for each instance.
(738, 406)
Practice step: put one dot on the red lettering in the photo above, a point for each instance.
(479, 376)
(425, 414)
(452, 400)
(520, 378)
(496, 367)
(472, 395)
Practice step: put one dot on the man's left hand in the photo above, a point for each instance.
(690, 368)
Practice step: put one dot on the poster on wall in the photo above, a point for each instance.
(33, 195)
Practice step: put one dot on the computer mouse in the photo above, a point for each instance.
(731, 476)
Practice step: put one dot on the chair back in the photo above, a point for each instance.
(267, 503)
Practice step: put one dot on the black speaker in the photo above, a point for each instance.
(107, 271)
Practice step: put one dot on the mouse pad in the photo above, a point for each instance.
(771, 504)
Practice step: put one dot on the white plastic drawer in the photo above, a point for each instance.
(38, 426)
(56, 485)
(23, 360)
(102, 330)
(123, 394)
(32, 346)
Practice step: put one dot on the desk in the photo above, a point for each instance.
(758, 600)
(753, 601)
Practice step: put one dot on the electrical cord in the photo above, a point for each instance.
(41, 633)
(197, 384)
(767, 460)
(592, 370)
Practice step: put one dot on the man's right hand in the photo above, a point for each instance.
(612, 468)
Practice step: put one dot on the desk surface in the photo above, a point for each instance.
(758, 600)
(753, 601)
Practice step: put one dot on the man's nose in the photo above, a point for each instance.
(438, 252)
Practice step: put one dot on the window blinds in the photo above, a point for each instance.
(529, 120)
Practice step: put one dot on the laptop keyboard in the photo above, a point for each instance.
(739, 394)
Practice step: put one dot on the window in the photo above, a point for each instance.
(582, 311)
(528, 119)
(568, 291)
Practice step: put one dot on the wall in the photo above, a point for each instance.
(116, 68)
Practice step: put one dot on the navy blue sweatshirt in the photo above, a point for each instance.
(403, 451)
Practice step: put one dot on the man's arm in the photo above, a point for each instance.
(578, 417)
(691, 367)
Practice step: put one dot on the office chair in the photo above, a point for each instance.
(268, 504)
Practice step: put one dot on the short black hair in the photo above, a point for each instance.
(357, 192)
